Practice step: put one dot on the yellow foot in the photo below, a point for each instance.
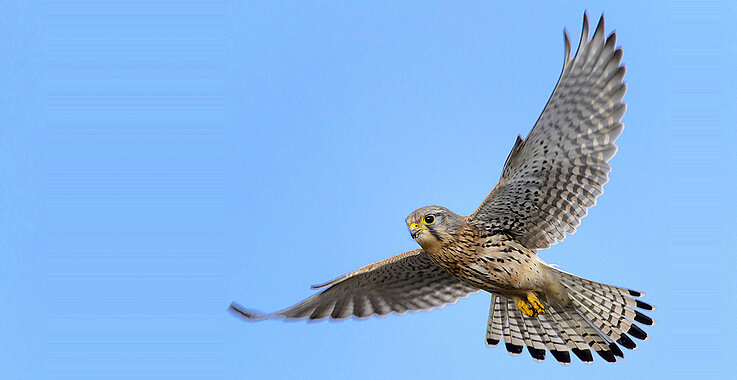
(530, 307)
(535, 302)
(525, 307)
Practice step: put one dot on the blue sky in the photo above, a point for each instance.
(159, 160)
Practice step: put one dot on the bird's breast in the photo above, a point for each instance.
(495, 263)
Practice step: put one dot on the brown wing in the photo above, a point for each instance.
(406, 282)
(554, 176)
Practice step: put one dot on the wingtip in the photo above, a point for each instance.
(644, 305)
(584, 31)
(637, 332)
(601, 25)
(626, 342)
(326, 284)
(644, 319)
(566, 47)
(240, 311)
(600, 30)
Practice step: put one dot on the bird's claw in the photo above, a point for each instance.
(532, 306)
(536, 304)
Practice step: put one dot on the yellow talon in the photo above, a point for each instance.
(530, 307)
(525, 307)
(536, 304)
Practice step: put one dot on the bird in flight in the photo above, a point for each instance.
(548, 183)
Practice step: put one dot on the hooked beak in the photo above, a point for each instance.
(415, 230)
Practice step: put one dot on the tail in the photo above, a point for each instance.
(598, 317)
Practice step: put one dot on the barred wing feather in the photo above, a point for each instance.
(553, 177)
(406, 282)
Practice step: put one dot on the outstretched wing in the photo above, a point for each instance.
(408, 281)
(554, 176)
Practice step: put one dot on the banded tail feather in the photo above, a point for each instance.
(495, 326)
(599, 317)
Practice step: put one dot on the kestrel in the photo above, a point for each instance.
(548, 183)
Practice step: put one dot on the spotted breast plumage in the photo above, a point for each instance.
(548, 183)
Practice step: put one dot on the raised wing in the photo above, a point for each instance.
(554, 176)
(406, 282)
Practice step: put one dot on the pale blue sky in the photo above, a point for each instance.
(160, 159)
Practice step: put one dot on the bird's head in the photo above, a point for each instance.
(432, 226)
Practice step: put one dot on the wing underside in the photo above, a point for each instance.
(407, 282)
(555, 175)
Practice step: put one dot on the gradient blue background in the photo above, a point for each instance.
(159, 160)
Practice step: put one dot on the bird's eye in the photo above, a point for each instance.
(428, 219)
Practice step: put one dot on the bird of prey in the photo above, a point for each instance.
(549, 181)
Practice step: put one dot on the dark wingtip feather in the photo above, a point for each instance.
(612, 39)
(513, 348)
(607, 355)
(241, 311)
(626, 342)
(563, 357)
(637, 332)
(600, 26)
(644, 319)
(643, 305)
(616, 350)
(325, 284)
(634, 293)
(536, 353)
(492, 342)
(584, 355)
(617, 56)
